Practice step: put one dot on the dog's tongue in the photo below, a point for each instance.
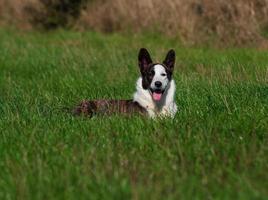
(157, 96)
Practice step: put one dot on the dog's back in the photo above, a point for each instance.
(108, 107)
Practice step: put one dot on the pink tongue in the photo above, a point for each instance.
(157, 96)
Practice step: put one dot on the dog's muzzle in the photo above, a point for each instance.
(156, 94)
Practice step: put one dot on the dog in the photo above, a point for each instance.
(154, 96)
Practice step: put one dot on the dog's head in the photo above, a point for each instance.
(156, 76)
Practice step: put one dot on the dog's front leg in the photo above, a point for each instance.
(169, 110)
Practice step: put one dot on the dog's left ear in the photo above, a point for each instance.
(144, 60)
(170, 60)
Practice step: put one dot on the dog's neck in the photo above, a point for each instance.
(165, 106)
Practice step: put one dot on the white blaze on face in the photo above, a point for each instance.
(161, 76)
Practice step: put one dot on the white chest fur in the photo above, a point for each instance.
(166, 107)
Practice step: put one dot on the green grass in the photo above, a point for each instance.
(215, 148)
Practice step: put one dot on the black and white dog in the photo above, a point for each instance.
(156, 88)
(154, 95)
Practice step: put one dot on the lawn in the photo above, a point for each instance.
(215, 148)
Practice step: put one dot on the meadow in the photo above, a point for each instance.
(215, 148)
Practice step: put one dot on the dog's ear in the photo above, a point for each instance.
(144, 59)
(170, 60)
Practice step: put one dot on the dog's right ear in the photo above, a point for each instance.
(144, 59)
(170, 60)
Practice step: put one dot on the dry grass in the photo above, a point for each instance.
(237, 22)
(12, 12)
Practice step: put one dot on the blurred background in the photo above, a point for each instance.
(217, 22)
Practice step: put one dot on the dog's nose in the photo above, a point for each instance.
(158, 84)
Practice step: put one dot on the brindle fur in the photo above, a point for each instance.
(108, 107)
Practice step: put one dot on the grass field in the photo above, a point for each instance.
(215, 148)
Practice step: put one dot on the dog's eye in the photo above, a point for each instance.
(152, 73)
(163, 74)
